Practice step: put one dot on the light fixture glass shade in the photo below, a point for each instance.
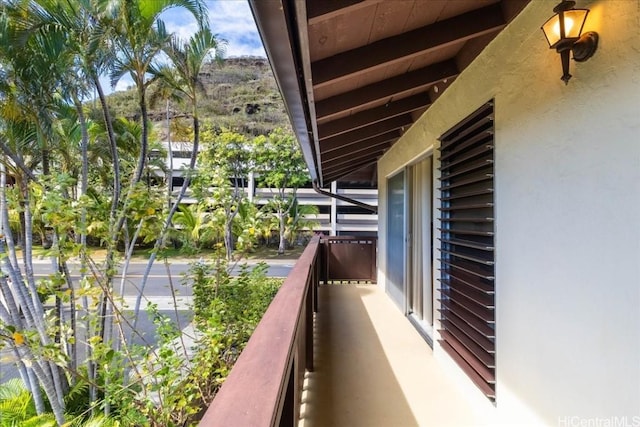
(574, 20)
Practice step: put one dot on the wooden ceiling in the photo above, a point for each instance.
(356, 74)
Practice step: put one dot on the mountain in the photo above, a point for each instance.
(240, 94)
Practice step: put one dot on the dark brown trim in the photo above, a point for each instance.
(351, 165)
(342, 174)
(467, 247)
(406, 45)
(366, 206)
(372, 154)
(374, 115)
(377, 142)
(280, 40)
(273, 358)
(376, 129)
(321, 10)
(386, 89)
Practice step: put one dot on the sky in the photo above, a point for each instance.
(231, 20)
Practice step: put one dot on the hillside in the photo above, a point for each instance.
(241, 94)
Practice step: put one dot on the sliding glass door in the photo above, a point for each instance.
(420, 289)
(410, 243)
(396, 253)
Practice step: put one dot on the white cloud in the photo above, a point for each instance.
(183, 29)
(231, 20)
(124, 83)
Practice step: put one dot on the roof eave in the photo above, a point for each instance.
(277, 25)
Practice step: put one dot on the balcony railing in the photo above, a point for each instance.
(264, 387)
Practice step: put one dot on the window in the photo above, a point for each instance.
(467, 275)
(420, 256)
(396, 256)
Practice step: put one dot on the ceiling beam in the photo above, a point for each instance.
(376, 152)
(385, 89)
(366, 174)
(368, 117)
(403, 46)
(318, 11)
(349, 161)
(351, 167)
(367, 144)
(360, 170)
(354, 160)
(370, 131)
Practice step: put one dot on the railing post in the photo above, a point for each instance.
(272, 365)
(288, 408)
(324, 260)
(309, 323)
(374, 255)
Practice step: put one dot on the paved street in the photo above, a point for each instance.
(158, 281)
(157, 290)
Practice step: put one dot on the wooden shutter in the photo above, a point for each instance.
(467, 274)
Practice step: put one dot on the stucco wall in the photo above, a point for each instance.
(567, 212)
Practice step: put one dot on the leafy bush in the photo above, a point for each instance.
(174, 383)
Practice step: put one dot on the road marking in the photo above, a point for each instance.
(128, 276)
(164, 303)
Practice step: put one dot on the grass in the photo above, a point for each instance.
(268, 252)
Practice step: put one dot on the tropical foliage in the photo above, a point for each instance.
(74, 174)
(281, 168)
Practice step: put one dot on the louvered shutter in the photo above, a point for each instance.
(467, 274)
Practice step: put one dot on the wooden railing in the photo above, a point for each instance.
(349, 259)
(264, 387)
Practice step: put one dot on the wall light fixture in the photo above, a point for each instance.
(564, 34)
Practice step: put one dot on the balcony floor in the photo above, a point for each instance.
(372, 368)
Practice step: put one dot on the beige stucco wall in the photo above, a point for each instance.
(567, 213)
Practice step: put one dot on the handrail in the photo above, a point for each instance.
(264, 386)
(358, 203)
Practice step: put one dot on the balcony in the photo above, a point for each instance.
(333, 350)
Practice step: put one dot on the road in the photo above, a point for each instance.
(158, 283)
(157, 290)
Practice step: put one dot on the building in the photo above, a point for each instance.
(335, 217)
(509, 198)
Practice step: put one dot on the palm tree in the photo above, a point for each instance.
(42, 43)
(139, 37)
(194, 225)
(187, 59)
(301, 218)
(35, 76)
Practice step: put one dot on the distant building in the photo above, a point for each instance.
(335, 217)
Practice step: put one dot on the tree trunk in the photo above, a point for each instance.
(84, 184)
(73, 346)
(11, 295)
(144, 143)
(48, 374)
(170, 154)
(172, 211)
(228, 237)
(106, 115)
(39, 317)
(283, 242)
(50, 389)
(115, 225)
